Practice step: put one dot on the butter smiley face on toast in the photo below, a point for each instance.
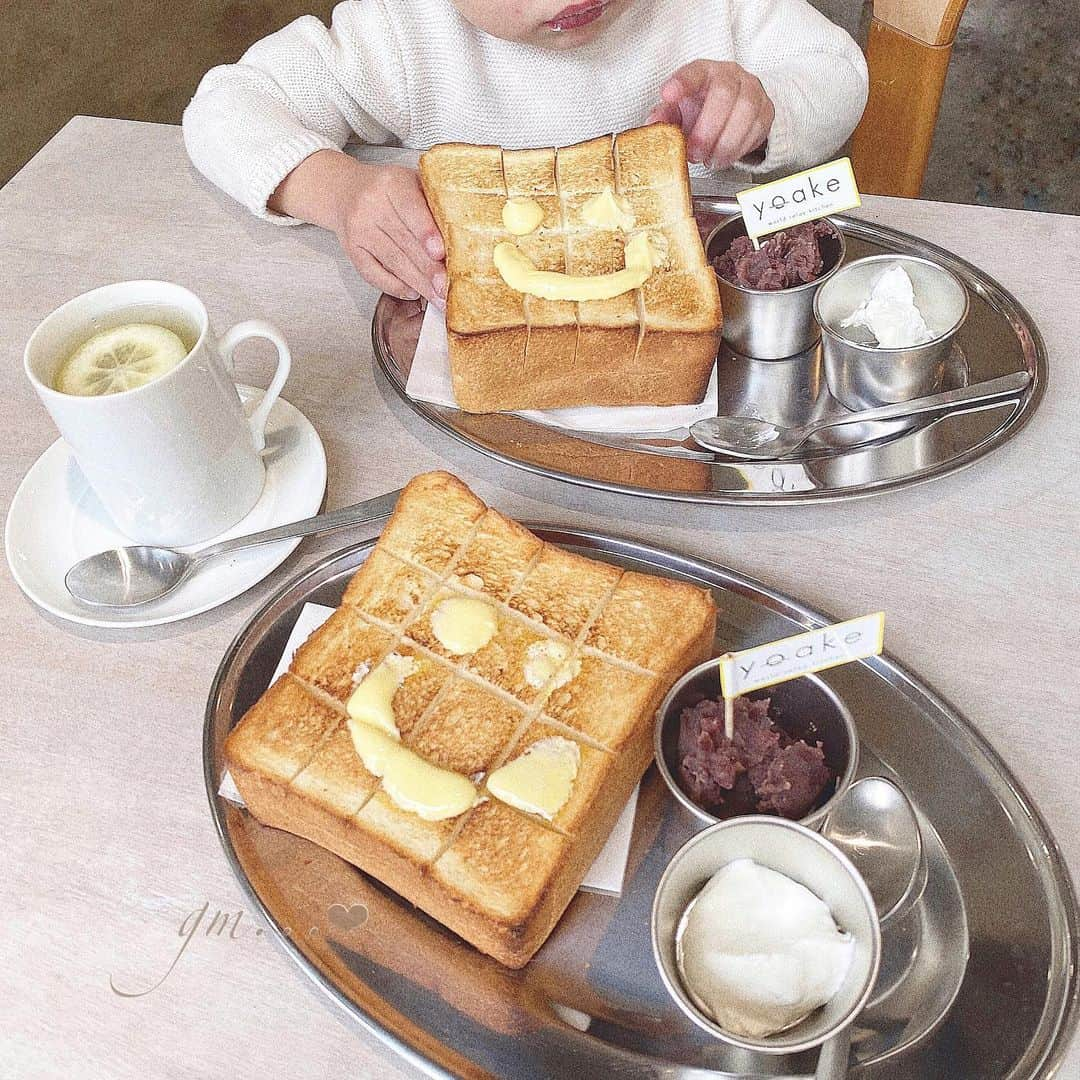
(577, 275)
(469, 723)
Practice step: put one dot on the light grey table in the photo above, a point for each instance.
(109, 853)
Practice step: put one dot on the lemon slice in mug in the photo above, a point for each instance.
(120, 359)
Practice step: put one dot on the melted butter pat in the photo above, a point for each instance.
(608, 211)
(521, 274)
(522, 215)
(660, 248)
(463, 624)
(540, 780)
(412, 783)
(371, 702)
(545, 660)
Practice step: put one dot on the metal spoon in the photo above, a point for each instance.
(751, 437)
(129, 576)
(834, 1055)
(875, 826)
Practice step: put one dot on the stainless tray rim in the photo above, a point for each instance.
(1055, 1031)
(295, 584)
(1035, 350)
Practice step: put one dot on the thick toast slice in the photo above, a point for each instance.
(496, 875)
(508, 350)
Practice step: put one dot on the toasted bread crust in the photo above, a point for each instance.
(496, 876)
(654, 345)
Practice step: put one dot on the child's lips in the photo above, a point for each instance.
(577, 15)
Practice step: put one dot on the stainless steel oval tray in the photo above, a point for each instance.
(997, 338)
(979, 979)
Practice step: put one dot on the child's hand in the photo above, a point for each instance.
(379, 214)
(723, 111)
(386, 228)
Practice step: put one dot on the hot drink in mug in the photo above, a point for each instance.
(144, 345)
(142, 391)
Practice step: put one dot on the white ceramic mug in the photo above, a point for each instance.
(176, 461)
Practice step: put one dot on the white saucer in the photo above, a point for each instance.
(55, 520)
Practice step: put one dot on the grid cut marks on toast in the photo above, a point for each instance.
(298, 733)
(586, 334)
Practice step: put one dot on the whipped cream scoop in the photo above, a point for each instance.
(759, 951)
(890, 312)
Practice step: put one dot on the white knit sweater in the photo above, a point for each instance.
(415, 72)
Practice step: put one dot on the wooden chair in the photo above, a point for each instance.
(908, 54)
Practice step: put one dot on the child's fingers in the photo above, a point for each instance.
(682, 97)
(689, 111)
(664, 114)
(429, 275)
(671, 91)
(690, 79)
(759, 115)
(399, 262)
(731, 143)
(714, 114)
(412, 209)
(756, 137)
(374, 273)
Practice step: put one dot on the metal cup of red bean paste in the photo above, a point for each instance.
(768, 295)
(795, 754)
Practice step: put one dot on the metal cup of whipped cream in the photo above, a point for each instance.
(862, 374)
(800, 703)
(805, 858)
(771, 324)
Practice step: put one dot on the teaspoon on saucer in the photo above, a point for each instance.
(141, 573)
(752, 437)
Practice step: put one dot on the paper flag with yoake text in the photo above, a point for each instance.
(803, 654)
(793, 200)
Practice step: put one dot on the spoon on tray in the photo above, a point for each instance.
(751, 437)
(875, 826)
(129, 576)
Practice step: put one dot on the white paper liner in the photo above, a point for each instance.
(606, 873)
(429, 380)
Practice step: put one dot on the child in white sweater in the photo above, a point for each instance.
(762, 85)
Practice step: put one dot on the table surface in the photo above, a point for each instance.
(111, 853)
